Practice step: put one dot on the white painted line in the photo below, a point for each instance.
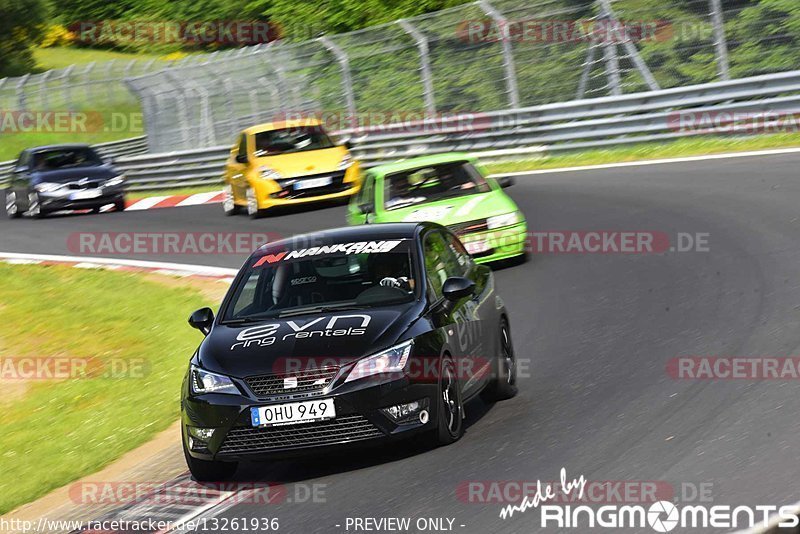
(87, 265)
(204, 270)
(729, 155)
(199, 198)
(22, 262)
(145, 203)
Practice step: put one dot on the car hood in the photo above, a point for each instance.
(280, 345)
(456, 210)
(100, 172)
(304, 163)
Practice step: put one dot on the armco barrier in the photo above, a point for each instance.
(502, 135)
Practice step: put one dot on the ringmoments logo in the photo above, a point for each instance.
(660, 516)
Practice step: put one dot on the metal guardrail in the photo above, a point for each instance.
(510, 134)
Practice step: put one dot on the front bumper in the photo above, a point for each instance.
(495, 245)
(359, 421)
(345, 184)
(50, 202)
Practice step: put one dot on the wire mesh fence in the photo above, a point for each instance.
(481, 56)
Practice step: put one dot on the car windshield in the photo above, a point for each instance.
(287, 140)
(432, 183)
(353, 276)
(65, 158)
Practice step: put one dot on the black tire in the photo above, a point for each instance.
(229, 206)
(504, 382)
(450, 424)
(34, 206)
(252, 205)
(119, 205)
(96, 209)
(12, 209)
(208, 470)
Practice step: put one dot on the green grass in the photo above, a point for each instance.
(55, 432)
(697, 146)
(62, 57)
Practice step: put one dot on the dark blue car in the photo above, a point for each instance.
(62, 177)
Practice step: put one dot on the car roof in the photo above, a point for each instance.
(279, 125)
(348, 234)
(422, 161)
(47, 148)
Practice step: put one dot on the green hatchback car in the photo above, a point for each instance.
(449, 189)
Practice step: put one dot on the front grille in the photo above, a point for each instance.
(337, 185)
(340, 430)
(469, 227)
(85, 185)
(311, 380)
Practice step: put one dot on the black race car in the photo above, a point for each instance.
(62, 177)
(349, 336)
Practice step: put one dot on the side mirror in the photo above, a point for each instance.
(364, 209)
(241, 158)
(202, 319)
(457, 287)
(505, 181)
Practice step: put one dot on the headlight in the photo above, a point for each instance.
(45, 187)
(269, 174)
(499, 221)
(117, 180)
(389, 361)
(207, 382)
(347, 161)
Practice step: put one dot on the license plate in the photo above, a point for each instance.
(293, 413)
(476, 247)
(311, 183)
(87, 194)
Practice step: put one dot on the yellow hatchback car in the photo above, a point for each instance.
(286, 163)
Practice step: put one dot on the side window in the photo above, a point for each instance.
(24, 159)
(243, 146)
(435, 271)
(463, 261)
(441, 260)
(367, 195)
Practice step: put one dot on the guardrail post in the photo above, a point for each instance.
(66, 87)
(20, 91)
(85, 74)
(424, 65)
(109, 81)
(508, 54)
(43, 96)
(720, 43)
(610, 55)
(633, 52)
(586, 72)
(347, 80)
(183, 110)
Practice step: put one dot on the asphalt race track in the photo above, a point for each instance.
(597, 331)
